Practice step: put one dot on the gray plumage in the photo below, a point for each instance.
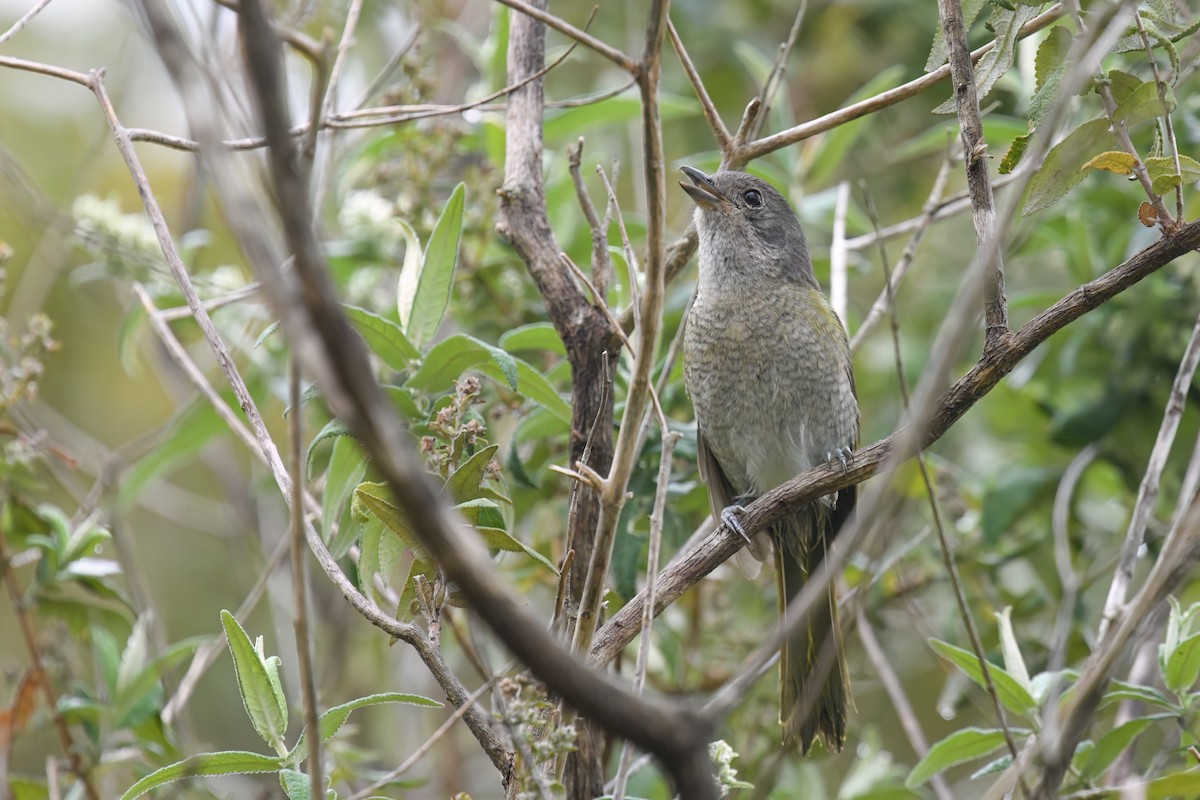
(767, 364)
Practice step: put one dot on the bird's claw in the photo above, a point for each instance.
(842, 454)
(731, 517)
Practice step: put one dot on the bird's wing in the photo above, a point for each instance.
(720, 492)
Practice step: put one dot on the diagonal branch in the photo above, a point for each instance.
(808, 486)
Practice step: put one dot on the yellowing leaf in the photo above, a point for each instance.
(1112, 161)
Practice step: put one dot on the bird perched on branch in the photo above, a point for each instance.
(767, 364)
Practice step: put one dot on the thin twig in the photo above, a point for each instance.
(1172, 145)
(308, 680)
(583, 37)
(886, 296)
(323, 107)
(24, 19)
(656, 524)
(797, 133)
(706, 104)
(601, 263)
(945, 546)
(426, 746)
(613, 209)
(1148, 489)
(775, 76)
(898, 697)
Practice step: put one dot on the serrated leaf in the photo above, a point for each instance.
(230, 762)
(296, 785)
(1120, 690)
(1122, 84)
(1015, 697)
(463, 483)
(333, 719)
(1116, 161)
(432, 293)
(1060, 171)
(1183, 665)
(957, 748)
(1113, 743)
(996, 61)
(939, 52)
(1014, 154)
(1143, 103)
(385, 338)
(1162, 172)
(265, 706)
(1051, 56)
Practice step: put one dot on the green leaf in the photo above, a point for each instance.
(1122, 84)
(939, 53)
(996, 61)
(346, 469)
(1116, 161)
(332, 720)
(1060, 172)
(410, 273)
(431, 295)
(463, 483)
(377, 499)
(296, 785)
(1014, 663)
(385, 338)
(1163, 176)
(1183, 665)
(184, 438)
(564, 124)
(450, 358)
(1015, 697)
(264, 702)
(1181, 784)
(1014, 154)
(1143, 104)
(1120, 690)
(230, 762)
(957, 748)
(500, 539)
(535, 336)
(1113, 743)
(333, 429)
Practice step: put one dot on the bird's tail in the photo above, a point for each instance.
(813, 685)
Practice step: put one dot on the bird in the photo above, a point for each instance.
(767, 364)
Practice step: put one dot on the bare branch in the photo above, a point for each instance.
(983, 205)
(23, 20)
(776, 141)
(828, 478)
(583, 37)
(710, 110)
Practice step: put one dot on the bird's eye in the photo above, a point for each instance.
(753, 198)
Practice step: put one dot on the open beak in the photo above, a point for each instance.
(702, 189)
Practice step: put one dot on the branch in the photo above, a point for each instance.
(983, 206)
(583, 37)
(828, 478)
(776, 141)
(325, 342)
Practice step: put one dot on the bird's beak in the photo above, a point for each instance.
(702, 191)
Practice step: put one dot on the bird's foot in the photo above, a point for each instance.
(732, 516)
(842, 454)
